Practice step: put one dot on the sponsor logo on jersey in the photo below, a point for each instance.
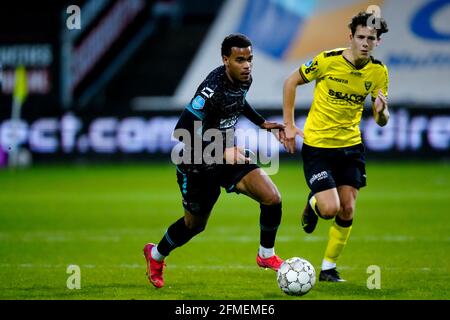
(338, 80)
(349, 97)
(230, 106)
(198, 103)
(228, 122)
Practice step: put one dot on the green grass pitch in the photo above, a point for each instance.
(100, 217)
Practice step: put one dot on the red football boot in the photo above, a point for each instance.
(154, 268)
(274, 262)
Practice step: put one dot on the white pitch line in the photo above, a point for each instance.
(196, 267)
(122, 266)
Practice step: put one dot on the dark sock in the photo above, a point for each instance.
(269, 220)
(177, 235)
(343, 223)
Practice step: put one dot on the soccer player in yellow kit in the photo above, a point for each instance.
(333, 152)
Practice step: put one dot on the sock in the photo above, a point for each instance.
(156, 254)
(269, 220)
(326, 265)
(313, 205)
(266, 252)
(338, 236)
(177, 235)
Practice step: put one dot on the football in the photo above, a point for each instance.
(296, 276)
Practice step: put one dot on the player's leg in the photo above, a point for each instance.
(257, 185)
(339, 233)
(179, 233)
(199, 196)
(323, 200)
(350, 177)
(324, 204)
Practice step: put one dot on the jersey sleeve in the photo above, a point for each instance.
(382, 83)
(202, 103)
(312, 69)
(252, 115)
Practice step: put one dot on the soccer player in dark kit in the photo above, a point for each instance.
(217, 104)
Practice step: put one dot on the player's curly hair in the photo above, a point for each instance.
(234, 40)
(362, 18)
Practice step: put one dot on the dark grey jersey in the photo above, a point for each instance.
(218, 104)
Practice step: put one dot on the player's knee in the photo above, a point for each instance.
(328, 210)
(196, 227)
(272, 199)
(346, 211)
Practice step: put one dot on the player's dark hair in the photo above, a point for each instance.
(234, 40)
(362, 18)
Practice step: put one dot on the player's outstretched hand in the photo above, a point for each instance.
(277, 130)
(291, 132)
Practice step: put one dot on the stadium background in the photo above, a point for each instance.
(100, 104)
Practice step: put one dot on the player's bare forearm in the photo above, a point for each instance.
(289, 92)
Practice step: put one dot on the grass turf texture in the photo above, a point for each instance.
(100, 217)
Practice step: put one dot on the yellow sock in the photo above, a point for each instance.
(312, 203)
(338, 237)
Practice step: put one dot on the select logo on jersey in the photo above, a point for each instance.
(318, 176)
(367, 84)
(351, 98)
(207, 92)
(198, 103)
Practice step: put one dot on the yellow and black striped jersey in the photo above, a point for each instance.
(339, 95)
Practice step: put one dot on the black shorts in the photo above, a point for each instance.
(327, 168)
(200, 191)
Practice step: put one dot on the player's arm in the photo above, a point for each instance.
(380, 109)
(289, 92)
(189, 126)
(251, 114)
(185, 130)
(192, 115)
(379, 99)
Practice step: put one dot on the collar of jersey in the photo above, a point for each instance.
(354, 65)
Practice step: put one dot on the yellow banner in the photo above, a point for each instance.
(20, 85)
